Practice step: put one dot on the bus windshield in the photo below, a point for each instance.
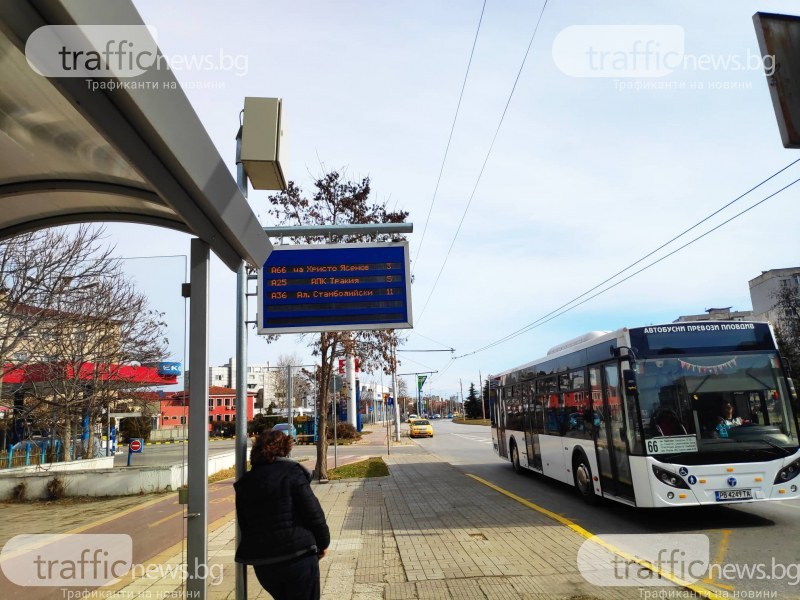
(711, 403)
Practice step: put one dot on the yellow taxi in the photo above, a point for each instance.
(420, 428)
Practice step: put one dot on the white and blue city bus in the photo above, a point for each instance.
(641, 415)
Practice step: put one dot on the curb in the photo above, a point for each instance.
(176, 442)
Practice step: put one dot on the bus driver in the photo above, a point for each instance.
(726, 419)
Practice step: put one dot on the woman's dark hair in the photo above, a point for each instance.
(268, 446)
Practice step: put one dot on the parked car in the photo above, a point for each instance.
(286, 429)
(420, 428)
(437, 416)
(412, 417)
(450, 415)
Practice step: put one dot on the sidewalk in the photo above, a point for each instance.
(426, 531)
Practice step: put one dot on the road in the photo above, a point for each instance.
(168, 454)
(744, 535)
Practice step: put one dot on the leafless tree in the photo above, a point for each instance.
(96, 341)
(35, 269)
(787, 305)
(75, 328)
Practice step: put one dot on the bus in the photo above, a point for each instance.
(683, 414)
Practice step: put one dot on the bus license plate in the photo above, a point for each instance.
(734, 495)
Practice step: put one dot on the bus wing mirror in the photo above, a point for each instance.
(629, 378)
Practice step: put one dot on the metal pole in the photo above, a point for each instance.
(197, 478)
(350, 373)
(240, 442)
(289, 397)
(335, 419)
(343, 229)
(108, 427)
(394, 392)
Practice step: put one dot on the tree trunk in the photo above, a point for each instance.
(65, 442)
(327, 352)
(321, 468)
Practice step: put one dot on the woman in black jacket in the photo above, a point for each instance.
(283, 530)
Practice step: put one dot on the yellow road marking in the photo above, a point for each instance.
(719, 557)
(697, 589)
(167, 518)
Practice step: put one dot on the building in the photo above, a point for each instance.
(764, 288)
(221, 407)
(261, 380)
(373, 398)
(717, 314)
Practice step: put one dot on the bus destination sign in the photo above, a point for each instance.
(337, 287)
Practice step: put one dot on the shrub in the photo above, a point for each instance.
(344, 431)
(20, 492)
(223, 429)
(263, 423)
(135, 427)
(56, 488)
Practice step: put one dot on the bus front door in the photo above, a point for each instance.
(533, 422)
(498, 420)
(610, 436)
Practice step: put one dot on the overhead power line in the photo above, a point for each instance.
(449, 139)
(415, 332)
(558, 312)
(485, 160)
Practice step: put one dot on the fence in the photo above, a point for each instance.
(40, 452)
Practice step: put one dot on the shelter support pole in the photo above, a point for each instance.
(197, 479)
(240, 442)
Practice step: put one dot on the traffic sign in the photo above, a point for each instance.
(335, 287)
(135, 445)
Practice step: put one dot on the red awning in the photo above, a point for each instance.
(139, 375)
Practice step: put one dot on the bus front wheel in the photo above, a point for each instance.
(515, 459)
(582, 474)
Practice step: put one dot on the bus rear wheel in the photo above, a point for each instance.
(582, 473)
(515, 459)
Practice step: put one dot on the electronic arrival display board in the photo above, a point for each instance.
(337, 287)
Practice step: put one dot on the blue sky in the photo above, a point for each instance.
(584, 178)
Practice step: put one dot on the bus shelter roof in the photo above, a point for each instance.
(135, 153)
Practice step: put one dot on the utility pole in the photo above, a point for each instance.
(394, 390)
(483, 404)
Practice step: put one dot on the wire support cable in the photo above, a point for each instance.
(485, 160)
(558, 311)
(449, 139)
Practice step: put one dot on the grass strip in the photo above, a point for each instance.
(463, 421)
(372, 467)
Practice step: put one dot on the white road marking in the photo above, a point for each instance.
(474, 438)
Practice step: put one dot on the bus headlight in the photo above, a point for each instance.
(788, 472)
(670, 478)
